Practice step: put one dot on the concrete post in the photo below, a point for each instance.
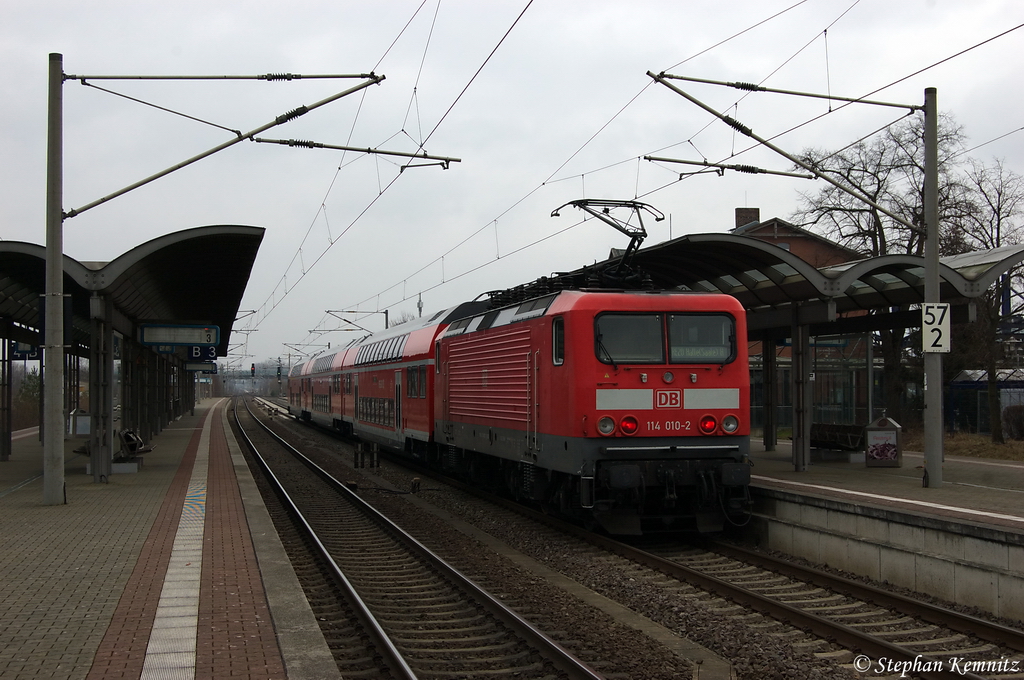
(53, 351)
(933, 429)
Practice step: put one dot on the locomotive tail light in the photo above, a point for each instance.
(708, 424)
(730, 424)
(605, 425)
(629, 425)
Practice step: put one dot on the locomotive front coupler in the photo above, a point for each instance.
(671, 496)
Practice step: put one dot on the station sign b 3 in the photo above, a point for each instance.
(202, 353)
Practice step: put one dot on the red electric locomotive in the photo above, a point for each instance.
(625, 409)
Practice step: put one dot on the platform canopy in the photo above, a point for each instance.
(778, 288)
(194, 276)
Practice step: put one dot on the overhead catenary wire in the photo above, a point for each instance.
(850, 101)
(732, 37)
(414, 96)
(272, 300)
(478, 72)
(995, 139)
(391, 183)
(749, 133)
(530, 193)
(891, 84)
(372, 79)
(553, 177)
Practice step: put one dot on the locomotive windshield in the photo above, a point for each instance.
(701, 338)
(630, 339)
(642, 338)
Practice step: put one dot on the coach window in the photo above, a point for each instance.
(411, 376)
(423, 381)
(558, 341)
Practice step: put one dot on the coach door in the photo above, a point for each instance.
(444, 392)
(399, 429)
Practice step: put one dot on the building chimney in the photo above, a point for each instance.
(745, 216)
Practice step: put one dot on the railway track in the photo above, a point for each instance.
(421, 616)
(880, 630)
(867, 631)
(883, 631)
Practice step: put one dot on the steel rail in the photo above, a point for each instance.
(392, 656)
(560, 657)
(962, 623)
(845, 635)
(849, 637)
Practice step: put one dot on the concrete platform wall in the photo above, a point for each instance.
(972, 565)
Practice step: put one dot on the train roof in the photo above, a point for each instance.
(593, 298)
(389, 344)
(415, 337)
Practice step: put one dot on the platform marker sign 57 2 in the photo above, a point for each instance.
(935, 327)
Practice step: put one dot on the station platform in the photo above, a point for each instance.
(961, 541)
(973, 490)
(175, 571)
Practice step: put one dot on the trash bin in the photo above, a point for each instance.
(79, 424)
(883, 443)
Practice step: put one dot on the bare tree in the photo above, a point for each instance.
(996, 195)
(889, 170)
(997, 205)
(401, 317)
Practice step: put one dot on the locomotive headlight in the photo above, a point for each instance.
(730, 424)
(605, 425)
(708, 424)
(629, 425)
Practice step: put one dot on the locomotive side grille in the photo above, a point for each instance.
(489, 377)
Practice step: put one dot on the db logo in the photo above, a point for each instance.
(668, 398)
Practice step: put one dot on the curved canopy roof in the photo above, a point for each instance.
(769, 280)
(194, 276)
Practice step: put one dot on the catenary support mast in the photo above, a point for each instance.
(53, 342)
(933, 428)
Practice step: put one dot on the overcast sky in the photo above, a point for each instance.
(543, 102)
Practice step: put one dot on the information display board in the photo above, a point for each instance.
(165, 334)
